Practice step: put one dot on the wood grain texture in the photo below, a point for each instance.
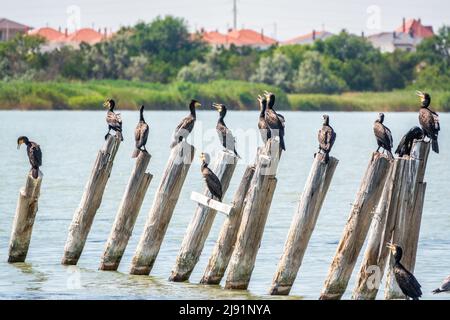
(127, 213)
(27, 207)
(90, 201)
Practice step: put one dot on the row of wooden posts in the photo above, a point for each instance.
(388, 207)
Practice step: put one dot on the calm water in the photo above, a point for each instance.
(70, 141)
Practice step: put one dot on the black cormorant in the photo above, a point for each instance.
(383, 135)
(445, 286)
(405, 279)
(429, 120)
(140, 134)
(274, 120)
(326, 137)
(225, 135)
(262, 124)
(405, 145)
(113, 120)
(212, 182)
(34, 154)
(186, 125)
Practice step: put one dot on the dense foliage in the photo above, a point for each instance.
(163, 51)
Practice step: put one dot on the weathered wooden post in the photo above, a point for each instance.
(166, 198)
(90, 201)
(223, 249)
(381, 229)
(409, 214)
(303, 224)
(254, 216)
(127, 214)
(27, 207)
(201, 223)
(357, 226)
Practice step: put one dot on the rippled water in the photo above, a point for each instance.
(70, 141)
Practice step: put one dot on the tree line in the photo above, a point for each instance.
(164, 51)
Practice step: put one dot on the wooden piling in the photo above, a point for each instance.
(254, 216)
(164, 202)
(409, 213)
(90, 201)
(303, 224)
(27, 207)
(357, 227)
(127, 213)
(223, 249)
(201, 223)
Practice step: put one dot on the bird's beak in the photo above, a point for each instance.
(390, 246)
(106, 104)
(215, 106)
(198, 104)
(266, 92)
(420, 94)
(18, 146)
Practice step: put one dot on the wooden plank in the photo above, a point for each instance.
(201, 223)
(303, 224)
(357, 227)
(164, 203)
(211, 203)
(223, 249)
(127, 213)
(90, 201)
(27, 207)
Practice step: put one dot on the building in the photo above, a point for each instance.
(239, 38)
(9, 29)
(309, 38)
(406, 37)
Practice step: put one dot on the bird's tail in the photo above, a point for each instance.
(119, 135)
(136, 153)
(435, 291)
(236, 154)
(327, 157)
(391, 156)
(435, 145)
(282, 146)
(35, 173)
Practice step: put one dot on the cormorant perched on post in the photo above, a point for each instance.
(429, 120)
(225, 135)
(445, 286)
(186, 125)
(274, 120)
(212, 182)
(405, 279)
(262, 124)
(326, 137)
(113, 120)
(405, 145)
(140, 134)
(383, 135)
(34, 154)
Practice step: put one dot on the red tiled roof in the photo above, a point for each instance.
(85, 35)
(243, 37)
(49, 34)
(417, 28)
(309, 36)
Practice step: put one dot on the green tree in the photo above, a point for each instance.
(275, 71)
(314, 77)
(196, 72)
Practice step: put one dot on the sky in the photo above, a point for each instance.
(282, 19)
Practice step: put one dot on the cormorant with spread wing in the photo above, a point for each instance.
(113, 120)
(383, 135)
(274, 120)
(326, 137)
(186, 125)
(405, 279)
(140, 134)
(212, 181)
(34, 154)
(429, 120)
(225, 135)
(405, 145)
(263, 127)
(445, 286)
